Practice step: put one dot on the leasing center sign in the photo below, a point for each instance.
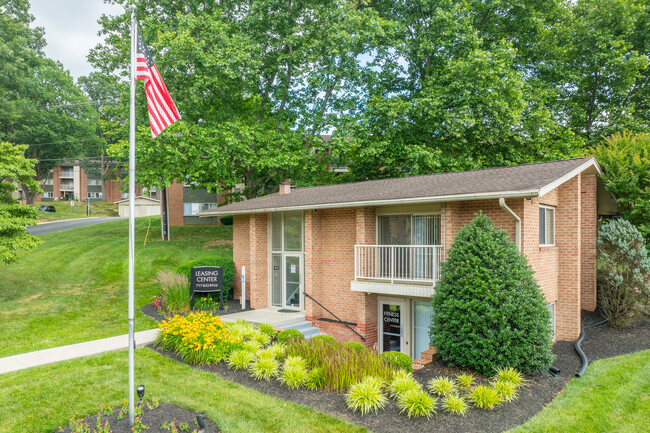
(206, 279)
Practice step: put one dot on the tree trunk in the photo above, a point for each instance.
(30, 196)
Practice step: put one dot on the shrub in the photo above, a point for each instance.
(507, 391)
(199, 338)
(267, 329)
(252, 346)
(442, 385)
(264, 368)
(226, 220)
(355, 345)
(465, 381)
(398, 359)
(293, 376)
(240, 359)
(175, 291)
(289, 334)
(324, 339)
(485, 397)
(402, 382)
(315, 378)
(623, 273)
(488, 310)
(227, 265)
(366, 396)
(416, 402)
(455, 404)
(341, 365)
(510, 375)
(277, 350)
(261, 338)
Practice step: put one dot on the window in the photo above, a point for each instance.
(47, 194)
(125, 195)
(546, 225)
(49, 182)
(551, 309)
(94, 182)
(193, 209)
(94, 195)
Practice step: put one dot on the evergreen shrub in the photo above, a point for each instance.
(288, 335)
(355, 345)
(398, 359)
(488, 310)
(226, 220)
(623, 273)
(227, 265)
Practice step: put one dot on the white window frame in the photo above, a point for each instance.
(544, 244)
(551, 308)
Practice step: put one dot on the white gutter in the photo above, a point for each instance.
(431, 199)
(504, 206)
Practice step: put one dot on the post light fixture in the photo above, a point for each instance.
(140, 391)
(200, 419)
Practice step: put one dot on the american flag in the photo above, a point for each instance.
(162, 110)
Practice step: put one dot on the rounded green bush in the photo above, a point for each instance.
(488, 310)
(226, 220)
(289, 334)
(355, 345)
(323, 339)
(227, 266)
(398, 359)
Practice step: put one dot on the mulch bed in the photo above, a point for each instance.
(231, 306)
(153, 419)
(600, 342)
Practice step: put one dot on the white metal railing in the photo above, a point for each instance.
(403, 263)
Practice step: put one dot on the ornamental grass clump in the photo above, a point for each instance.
(277, 350)
(240, 359)
(175, 291)
(294, 372)
(366, 396)
(402, 382)
(416, 403)
(510, 375)
(465, 381)
(507, 391)
(342, 366)
(485, 397)
(442, 385)
(199, 338)
(268, 330)
(264, 368)
(315, 378)
(455, 404)
(488, 287)
(252, 346)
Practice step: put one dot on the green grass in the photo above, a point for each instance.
(73, 287)
(65, 212)
(612, 396)
(43, 398)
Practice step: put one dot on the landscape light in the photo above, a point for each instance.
(140, 391)
(200, 419)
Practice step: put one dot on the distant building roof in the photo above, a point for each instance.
(528, 180)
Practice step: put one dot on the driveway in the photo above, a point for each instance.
(56, 226)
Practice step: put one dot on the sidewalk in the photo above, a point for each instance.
(72, 351)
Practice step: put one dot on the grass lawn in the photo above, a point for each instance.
(73, 287)
(612, 396)
(57, 392)
(65, 212)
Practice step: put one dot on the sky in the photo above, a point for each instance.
(71, 30)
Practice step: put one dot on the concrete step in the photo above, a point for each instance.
(305, 327)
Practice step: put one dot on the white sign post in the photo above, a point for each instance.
(243, 287)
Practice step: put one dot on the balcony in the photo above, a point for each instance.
(409, 270)
(67, 174)
(66, 186)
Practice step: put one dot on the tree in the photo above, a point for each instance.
(256, 83)
(488, 310)
(625, 159)
(14, 217)
(39, 104)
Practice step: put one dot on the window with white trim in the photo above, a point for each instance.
(94, 182)
(94, 195)
(47, 194)
(551, 309)
(546, 225)
(193, 209)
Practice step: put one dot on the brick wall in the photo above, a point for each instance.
(589, 223)
(257, 275)
(240, 251)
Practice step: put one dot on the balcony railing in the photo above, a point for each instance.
(398, 263)
(67, 173)
(66, 186)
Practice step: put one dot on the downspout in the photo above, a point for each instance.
(504, 206)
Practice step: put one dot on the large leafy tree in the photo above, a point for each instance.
(14, 217)
(39, 103)
(256, 83)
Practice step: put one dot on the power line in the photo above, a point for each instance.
(48, 106)
(68, 141)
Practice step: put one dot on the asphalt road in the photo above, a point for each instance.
(67, 224)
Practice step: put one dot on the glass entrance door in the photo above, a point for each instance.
(292, 295)
(392, 327)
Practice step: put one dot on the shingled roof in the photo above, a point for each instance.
(529, 180)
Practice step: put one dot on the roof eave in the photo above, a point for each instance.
(411, 200)
(570, 175)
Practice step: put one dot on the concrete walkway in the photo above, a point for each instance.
(272, 316)
(72, 351)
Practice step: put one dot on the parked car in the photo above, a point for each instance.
(47, 208)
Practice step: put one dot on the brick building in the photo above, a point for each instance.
(370, 251)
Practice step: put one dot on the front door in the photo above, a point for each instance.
(392, 327)
(292, 286)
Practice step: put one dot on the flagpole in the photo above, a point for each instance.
(134, 38)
